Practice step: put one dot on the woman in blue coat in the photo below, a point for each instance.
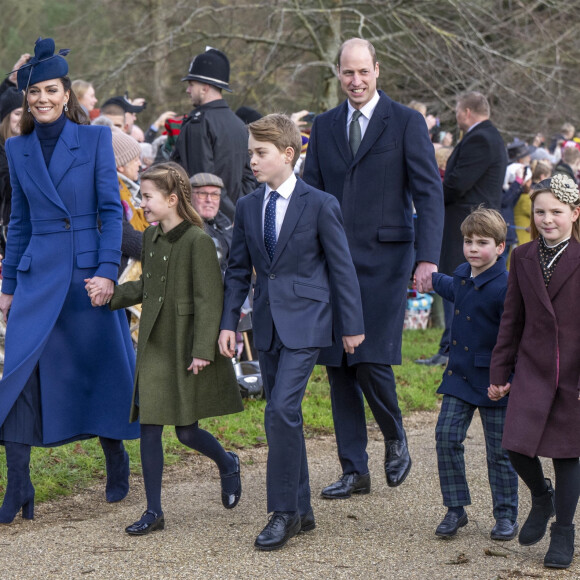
(68, 371)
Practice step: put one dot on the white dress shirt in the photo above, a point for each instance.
(367, 112)
(285, 191)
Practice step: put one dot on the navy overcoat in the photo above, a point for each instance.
(394, 169)
(477, 308)
(84, 354)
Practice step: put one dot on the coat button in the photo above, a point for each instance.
(165, 258)
(148, 275)
(468, 317)
(66, 224)
(463, 282)
(464, 378)
(475, 288)
(466, 348)
(144, 294)
(151, 254)
(160, 298)
(272, 276)
(456, 311)
(267, 303)
(449, 373)
(163, 278)
(454, 342)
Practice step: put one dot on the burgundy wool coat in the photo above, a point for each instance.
(539, 337)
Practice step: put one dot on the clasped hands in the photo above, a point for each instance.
(497, 392)
(100, 290)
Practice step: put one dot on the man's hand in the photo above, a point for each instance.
(423, 276)
(351, 342)
(160, 121)
(227, 343)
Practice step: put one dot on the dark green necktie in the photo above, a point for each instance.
(354, 135)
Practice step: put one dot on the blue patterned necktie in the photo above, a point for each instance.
(270, 224)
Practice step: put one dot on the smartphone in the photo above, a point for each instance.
(309, 118)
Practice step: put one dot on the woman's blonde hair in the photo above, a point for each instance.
(171, 178)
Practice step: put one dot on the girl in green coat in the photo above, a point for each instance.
(180, 376)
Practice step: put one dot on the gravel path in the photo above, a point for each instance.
(388, 534)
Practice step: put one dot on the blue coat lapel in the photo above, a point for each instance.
(64, 153)
(36, 169)
(257, 219)
(376, 126)
(293, 213)
(339, 132)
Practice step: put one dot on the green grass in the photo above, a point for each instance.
(64, 470)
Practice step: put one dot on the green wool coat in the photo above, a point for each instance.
(181, 292)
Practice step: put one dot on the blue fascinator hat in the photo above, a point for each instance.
(44, 65)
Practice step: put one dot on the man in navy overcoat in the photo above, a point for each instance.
(379, 167)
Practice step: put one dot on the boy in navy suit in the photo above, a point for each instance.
(293, 236)
(477, 291)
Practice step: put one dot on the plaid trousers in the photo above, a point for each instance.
(454, 420)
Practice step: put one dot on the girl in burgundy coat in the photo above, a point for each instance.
(538, 341)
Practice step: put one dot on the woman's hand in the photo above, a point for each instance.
(497, 392)
(197, 365)
(100, 290)
(5, 304)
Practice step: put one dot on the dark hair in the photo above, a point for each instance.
(485, 223)
(171, 178)
(112, 109)
(75, 112)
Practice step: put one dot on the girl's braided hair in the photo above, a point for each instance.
(171, 178)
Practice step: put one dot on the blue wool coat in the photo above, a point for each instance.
(85, 355)
(477, 308)
(394, 169)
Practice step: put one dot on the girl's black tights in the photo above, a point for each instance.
(566, 488)
(152, 456)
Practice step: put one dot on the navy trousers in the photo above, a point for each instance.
(285, 374)
(348, 384)
(454, 420)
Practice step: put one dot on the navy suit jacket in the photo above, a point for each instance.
(474, 175)
(478, 307)
(293, 290)
(394, 169)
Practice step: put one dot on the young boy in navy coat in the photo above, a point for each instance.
(292, 235)
(477, 290)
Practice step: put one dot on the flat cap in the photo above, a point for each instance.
(201, 179)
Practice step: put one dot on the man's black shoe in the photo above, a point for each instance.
(348, 484)
(450, 524)
(307, 522)
(397, 461)
(435, 360)
(281, 527)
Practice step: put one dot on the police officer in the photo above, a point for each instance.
(212, 138)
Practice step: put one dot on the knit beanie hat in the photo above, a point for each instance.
(10, 100)
(125, 147)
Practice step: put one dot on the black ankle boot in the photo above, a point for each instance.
(542, 510)
(19, 490)
(117, 463)
(561, 549)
